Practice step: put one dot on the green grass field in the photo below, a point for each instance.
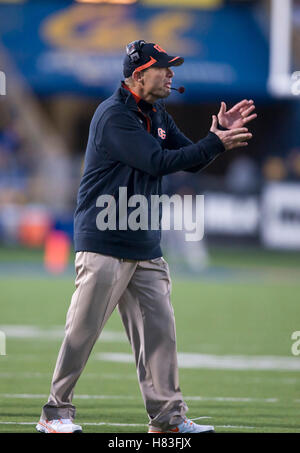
(244, 307)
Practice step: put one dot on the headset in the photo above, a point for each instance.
(133, 50)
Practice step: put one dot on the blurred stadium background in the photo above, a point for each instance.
(235, 293)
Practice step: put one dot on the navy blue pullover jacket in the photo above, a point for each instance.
(132, 144)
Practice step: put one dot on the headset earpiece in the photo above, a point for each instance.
(133, 50)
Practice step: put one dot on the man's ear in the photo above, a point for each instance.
(138, 76)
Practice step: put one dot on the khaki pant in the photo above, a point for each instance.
(141, 289)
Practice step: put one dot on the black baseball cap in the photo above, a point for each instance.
(142, 55)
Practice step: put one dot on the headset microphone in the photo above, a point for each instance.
(180, 89)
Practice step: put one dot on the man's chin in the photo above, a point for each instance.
(161, 94)
(165, 93)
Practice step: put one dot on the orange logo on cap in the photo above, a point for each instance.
(161, 133)
(160, 49)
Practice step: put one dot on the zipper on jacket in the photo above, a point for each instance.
(147, 120)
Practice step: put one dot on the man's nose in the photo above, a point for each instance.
(170, 73)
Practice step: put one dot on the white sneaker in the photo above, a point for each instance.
(61, 425)
(187, 426)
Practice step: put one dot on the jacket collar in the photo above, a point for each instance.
(133, 101)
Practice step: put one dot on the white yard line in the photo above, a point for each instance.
(231, 399)
(124, 424)
(37, 375)
(81, 397)
(18, 423)
(131, 377)
(185, 360)
(54, 333)
(235, 427)
(83, 424)
(23, 375)
(224, 362)
(131, 397)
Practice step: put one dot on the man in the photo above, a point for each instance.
(132, 143)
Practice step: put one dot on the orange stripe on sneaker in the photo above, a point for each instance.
(174, 430)
(48, 427)
(53, 430)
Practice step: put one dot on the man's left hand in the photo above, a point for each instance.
(239, 115)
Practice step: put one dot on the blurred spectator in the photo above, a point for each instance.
(10, 215)
(34, 224)
(243, 175)
(16, 164)
(274, 169)
(293, 164)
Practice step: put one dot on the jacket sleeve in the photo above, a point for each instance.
(176, 138)
(123, 139)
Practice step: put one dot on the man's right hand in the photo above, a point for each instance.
(233, 138)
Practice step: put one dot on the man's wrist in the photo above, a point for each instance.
(222, 128)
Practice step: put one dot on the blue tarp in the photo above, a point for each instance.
(67, 47)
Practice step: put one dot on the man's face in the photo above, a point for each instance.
(157, 82)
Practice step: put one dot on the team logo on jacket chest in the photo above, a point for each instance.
(161, 133)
